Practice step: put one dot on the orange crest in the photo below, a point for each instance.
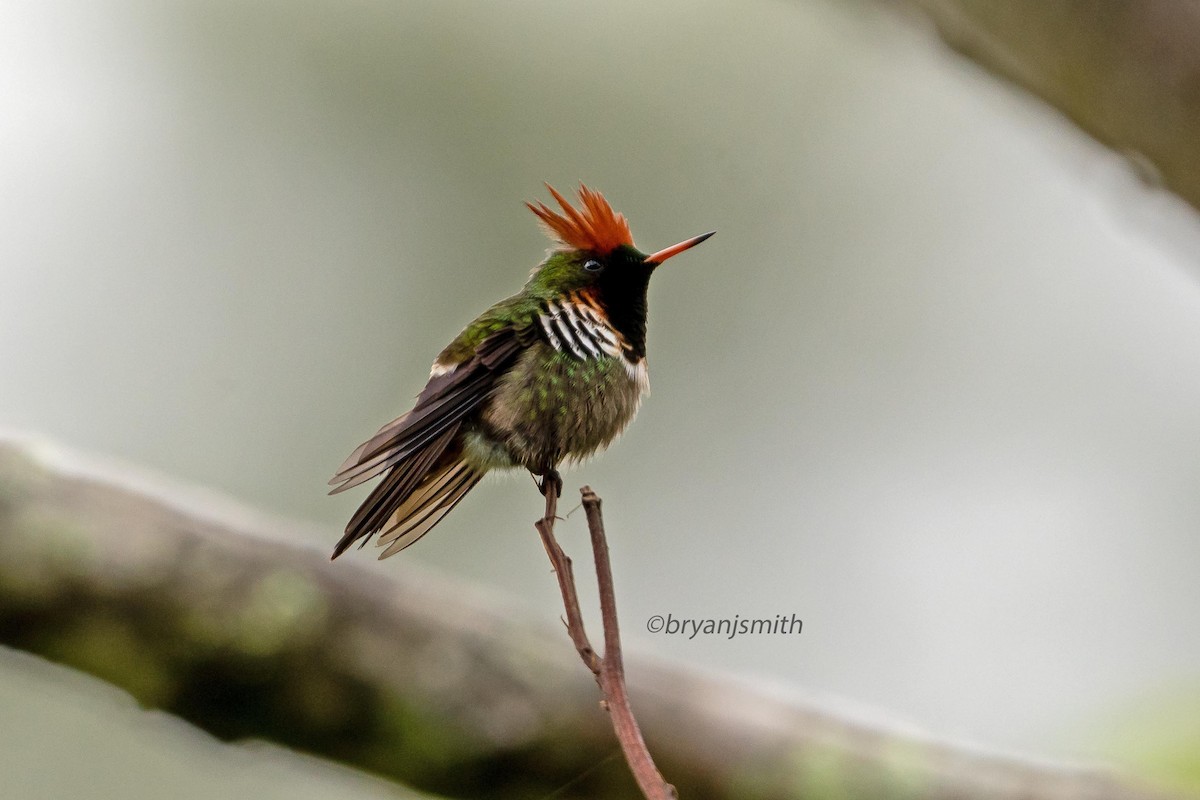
(596, 227)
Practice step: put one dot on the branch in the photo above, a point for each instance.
(218, 615)
(609, 670)
(1122, 70)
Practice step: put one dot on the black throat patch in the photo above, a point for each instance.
(623, 288)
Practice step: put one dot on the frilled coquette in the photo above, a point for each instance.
(551, 374)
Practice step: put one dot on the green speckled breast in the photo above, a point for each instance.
(550, 407)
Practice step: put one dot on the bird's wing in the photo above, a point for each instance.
(444, 401)
(417, 444)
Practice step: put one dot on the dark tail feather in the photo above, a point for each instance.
(397, 487)
(425, 507)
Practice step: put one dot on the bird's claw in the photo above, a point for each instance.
(551, 479)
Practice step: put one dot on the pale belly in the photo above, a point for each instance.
(551, 407)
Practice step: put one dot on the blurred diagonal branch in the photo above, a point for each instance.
(211, 613)
(1126, 71)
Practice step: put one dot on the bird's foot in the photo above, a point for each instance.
(550, 479)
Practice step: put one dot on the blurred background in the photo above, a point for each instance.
(934, 387)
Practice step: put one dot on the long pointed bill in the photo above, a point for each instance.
(676, 249)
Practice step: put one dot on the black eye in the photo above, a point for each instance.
(592, 265)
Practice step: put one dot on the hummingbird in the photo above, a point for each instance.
(553, 373)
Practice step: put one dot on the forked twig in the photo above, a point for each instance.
(608, 669)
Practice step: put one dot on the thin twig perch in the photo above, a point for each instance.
(609, 669)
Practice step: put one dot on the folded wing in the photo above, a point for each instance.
(419, 454)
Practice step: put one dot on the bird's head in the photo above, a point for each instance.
(596, 252)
